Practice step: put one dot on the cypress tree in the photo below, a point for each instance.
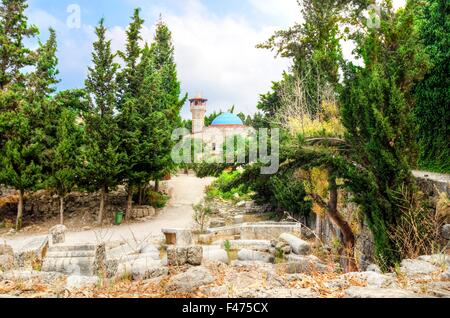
(21, 136)
(162, 51)
(129, 82)
(102, 164)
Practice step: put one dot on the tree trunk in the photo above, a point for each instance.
(140, 194)
(129, 203)
(19, 211)
(156, 185)
(61, 209)
(319, 229)
(103, 192)
(347, 233)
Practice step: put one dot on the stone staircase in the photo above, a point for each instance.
(80, 259)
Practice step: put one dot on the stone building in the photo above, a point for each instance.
(225, 125)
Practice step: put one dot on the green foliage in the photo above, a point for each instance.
(222, 188)
(289, 193)
(102, 159)
(376, 111)
(432, 113)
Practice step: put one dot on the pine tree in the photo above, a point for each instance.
(102, 168)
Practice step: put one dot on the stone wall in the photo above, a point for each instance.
(44, 204)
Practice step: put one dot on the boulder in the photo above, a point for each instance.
(32, 254)
(192, 279)
(141, 269)
(195, 255)
(375, 292)
(436, 259)
(215, 223)
(6, 262)
(305, 265)
(298, 246)
(148, 249)
(374, 268)
(81, 282)
(215, 255)
(373, 279)
(241, 204)
(6, 250)
(446, 231)
(415, 267)
(58, 234)
(178, 256)
(250, 255)
(6, 257)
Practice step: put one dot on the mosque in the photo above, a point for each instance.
(225, 125)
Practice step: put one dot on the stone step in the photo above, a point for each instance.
(69, 254)
(84, 266)
(72, 247)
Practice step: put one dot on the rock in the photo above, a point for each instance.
(6, 262)
(375, 292)
(141, 269)
(417, 267)
(241, 204)
(436, 259)
(81, 282)
(373, 279)
(279, 293)
(249, 255)
(195, 255)
(238, 219)
(286, 250)
(58, 234)
(26, 275)
(32, 254)
(205, 239)
(215, 223)
(305, 265)
(216, 255)
(439, 289)
(187, 282)
(307, 233)
(6, 257)
(298, 246)
(257, 245)
(446, 231)
(148, 249)
(6, 250)
(176, 256)
(374, 268)
(446, 275)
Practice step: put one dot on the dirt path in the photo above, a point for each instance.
(186, 190)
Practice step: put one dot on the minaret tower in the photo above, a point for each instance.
(198, 110)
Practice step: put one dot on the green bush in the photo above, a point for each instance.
(224, 187)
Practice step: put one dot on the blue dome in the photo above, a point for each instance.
(227, 119)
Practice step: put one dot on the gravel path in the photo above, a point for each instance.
(186, 190)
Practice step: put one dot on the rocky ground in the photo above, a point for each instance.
(225, 265)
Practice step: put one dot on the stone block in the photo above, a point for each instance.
(298, 246)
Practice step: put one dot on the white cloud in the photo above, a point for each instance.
(287, 11)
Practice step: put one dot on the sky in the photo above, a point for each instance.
(215, 41)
